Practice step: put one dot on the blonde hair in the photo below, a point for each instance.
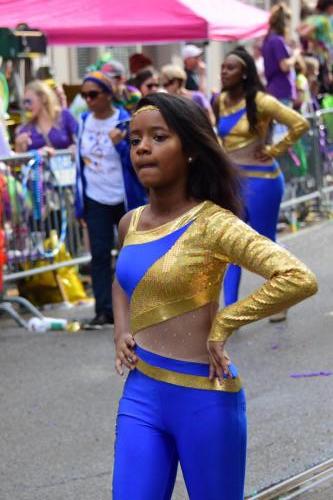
(47, 96)
(172, 72)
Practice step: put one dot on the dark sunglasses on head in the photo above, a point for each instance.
(151, 85)
(92, 94)
(27, 102)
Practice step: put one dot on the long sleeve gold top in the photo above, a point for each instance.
(234, 129)
(179, 267)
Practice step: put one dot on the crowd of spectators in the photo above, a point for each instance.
(297, 71)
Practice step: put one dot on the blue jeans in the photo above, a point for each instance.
(101, 220)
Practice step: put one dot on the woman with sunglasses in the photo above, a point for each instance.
(48, 125)
(173, 79)
(147, 82)
(245, 114)
(106, 183)
(183, 400)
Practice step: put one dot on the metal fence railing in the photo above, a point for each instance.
(308, 168)
(38, 221)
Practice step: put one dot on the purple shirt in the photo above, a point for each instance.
(279, 84)
(61, 135)
(200, 99)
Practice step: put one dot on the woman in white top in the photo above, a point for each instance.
(102, 175)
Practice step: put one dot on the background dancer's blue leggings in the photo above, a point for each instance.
(160, 424)
(262, 199)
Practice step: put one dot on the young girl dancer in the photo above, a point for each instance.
(183, 399)
(245, 114)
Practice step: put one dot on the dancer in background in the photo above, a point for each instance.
(245, 114)
(183, 400)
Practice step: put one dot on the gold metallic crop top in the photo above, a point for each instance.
(179, 266)
(237, 134)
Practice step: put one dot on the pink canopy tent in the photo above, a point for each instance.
(125, 22)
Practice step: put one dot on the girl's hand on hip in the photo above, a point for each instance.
(261, 154)
(125, 355)
(219, 361)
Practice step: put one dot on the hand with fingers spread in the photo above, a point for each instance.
(125, 355)
(219, 361)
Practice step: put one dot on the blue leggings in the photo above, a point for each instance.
(262, 199)
(160, 424)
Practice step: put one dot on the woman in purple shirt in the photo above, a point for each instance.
(48, 124)
(279, 65)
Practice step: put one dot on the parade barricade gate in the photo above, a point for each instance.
(308, 169)
(37, 205)
(38, 219)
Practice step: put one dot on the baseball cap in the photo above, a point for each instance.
(191, 51)
(113, 68)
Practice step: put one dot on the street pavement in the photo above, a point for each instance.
(59, 393)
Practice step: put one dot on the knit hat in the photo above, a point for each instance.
(102, 79)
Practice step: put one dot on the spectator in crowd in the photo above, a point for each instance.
(312, 73)
(45, 74)
(47, 124)
(124, 95)
(278, 61)
(139, 62)
(259, 60)
(146, 81)
(316, 33)
(173, 79)
(303, 101)
(245, 114)
(195, 68)
(106, 183)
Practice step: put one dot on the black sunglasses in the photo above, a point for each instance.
(151, 85)
(92, 94)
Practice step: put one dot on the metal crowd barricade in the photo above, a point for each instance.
(38, 217)
(308, 169)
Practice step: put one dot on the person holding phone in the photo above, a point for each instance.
(106, 183)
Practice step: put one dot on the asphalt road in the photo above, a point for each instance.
(59, 392)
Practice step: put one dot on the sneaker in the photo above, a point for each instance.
(281, 316)
(99, 322)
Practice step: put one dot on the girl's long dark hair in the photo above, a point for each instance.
(211, 175)
(251, 84)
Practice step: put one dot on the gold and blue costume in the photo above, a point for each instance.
(170, 411)
(263, 185)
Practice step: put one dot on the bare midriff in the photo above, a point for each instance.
(246, 155)
(183, 337)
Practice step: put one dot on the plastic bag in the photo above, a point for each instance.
(52, 287)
